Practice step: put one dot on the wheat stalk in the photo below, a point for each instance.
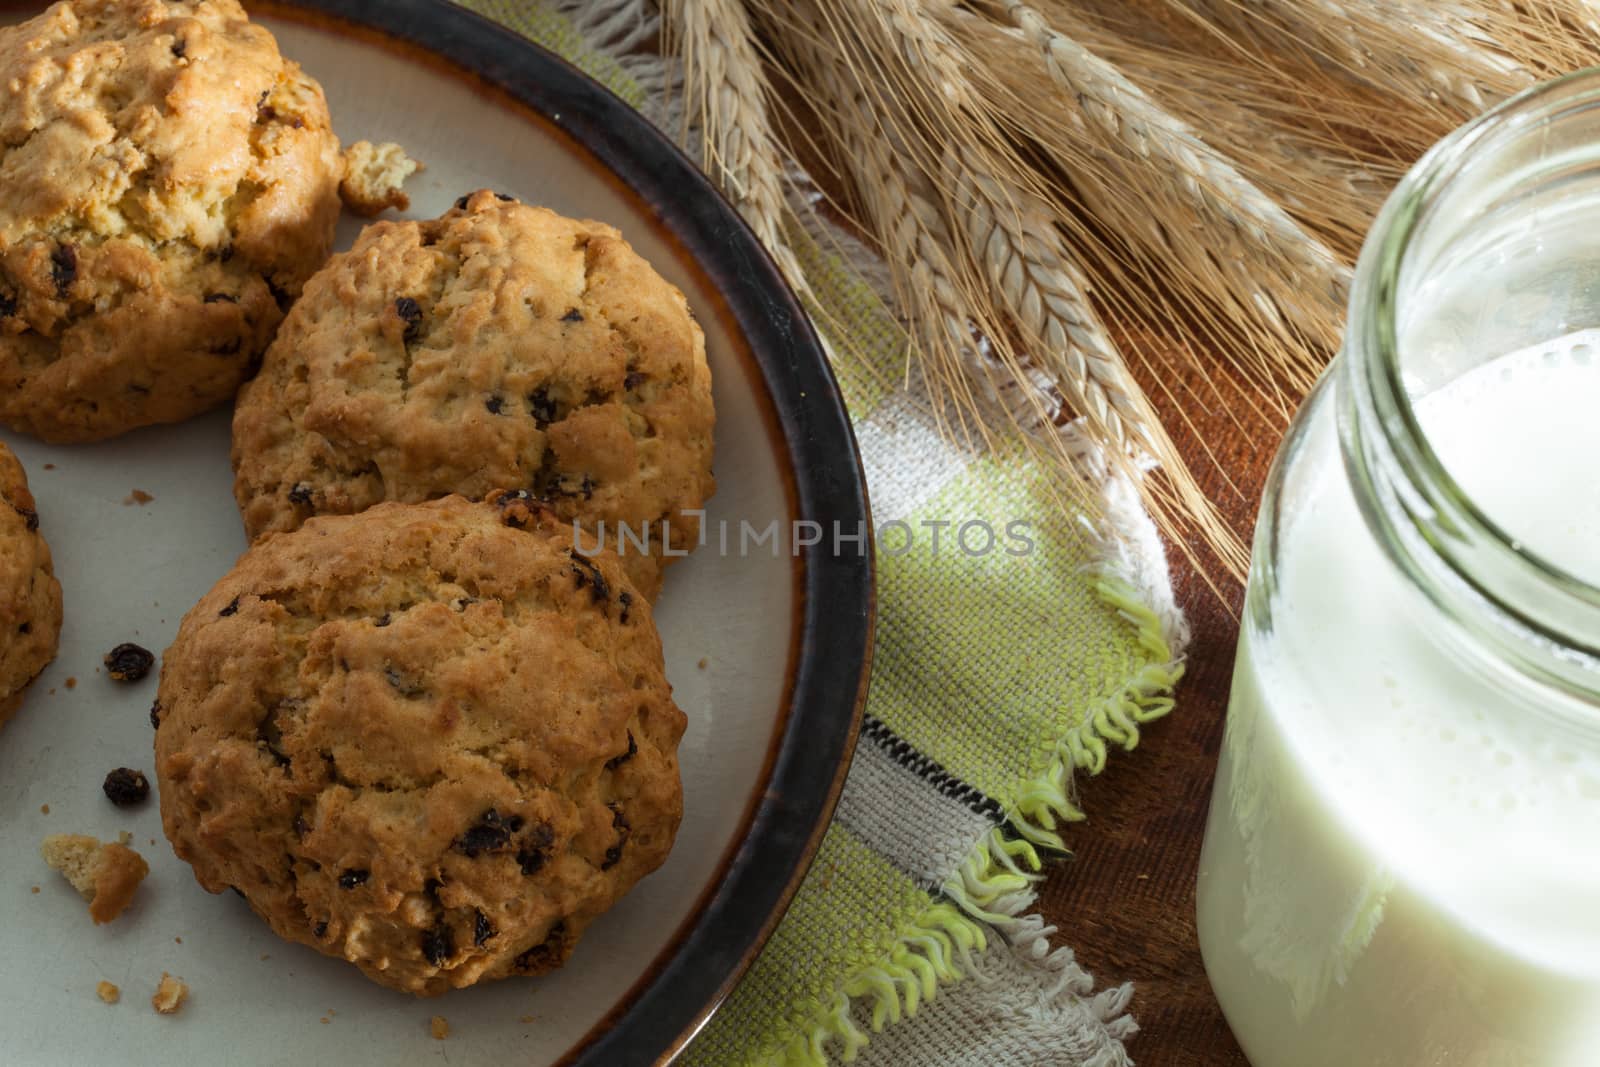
(1325, 149)
(899, 101)
(1538, 38)
(727, 94)
(926, 50)
(1012, 236)
(1584, 15)
(1087, 370)
(1011, 232)
(1422, 51)
(1058, 184)
(1075, 353)
(896, 209)
(945, 297)
(1284, 270)
(1258, 287)
(915, 238)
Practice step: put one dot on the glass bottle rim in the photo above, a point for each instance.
(1373, 371)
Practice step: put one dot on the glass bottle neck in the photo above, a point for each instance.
(1505, 170)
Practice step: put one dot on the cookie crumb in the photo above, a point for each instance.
(170, 995)
(129, 662)
(325, 1020)
(439, 1027)
(44, 809)
(375, 176)
(125, 838)
(49, 466)
(525, 1020)
(704, 663)
(35, 889)
(106, 875)
(177, 940)
(108, 992)
(137, 498)
(72, 683)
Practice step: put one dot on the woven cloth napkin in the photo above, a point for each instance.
(998, 674)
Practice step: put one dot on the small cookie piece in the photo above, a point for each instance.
(431, 739)
(30, 595)
(170, 995)
(106, 875)
(170, 182)
(375, 177)
(439, 1027)
(501, 346)
(108, 992)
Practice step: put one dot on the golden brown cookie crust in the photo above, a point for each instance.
(429, 739)
(375, 178)
(501, 346)
(170, 995)
(30, 595)
(106, 875)
(170, 181)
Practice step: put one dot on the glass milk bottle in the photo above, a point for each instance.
(1402, 863)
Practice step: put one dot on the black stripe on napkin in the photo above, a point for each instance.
(948, 785)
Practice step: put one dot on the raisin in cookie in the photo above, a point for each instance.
(431, 739)
(170, 182)
(501, 346)
(30, 596)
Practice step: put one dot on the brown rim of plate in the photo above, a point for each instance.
(831, 660)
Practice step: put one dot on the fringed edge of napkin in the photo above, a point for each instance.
(994, 888)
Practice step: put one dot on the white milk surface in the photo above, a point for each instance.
(1403, 861)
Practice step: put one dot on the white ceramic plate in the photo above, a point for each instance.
(767, 655)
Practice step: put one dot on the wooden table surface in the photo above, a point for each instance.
(1125, 902)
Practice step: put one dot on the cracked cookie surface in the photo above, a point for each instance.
(170, 182)
(30, 595)
(430, 739)
(500, 346)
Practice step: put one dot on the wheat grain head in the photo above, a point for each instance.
(727, 94)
